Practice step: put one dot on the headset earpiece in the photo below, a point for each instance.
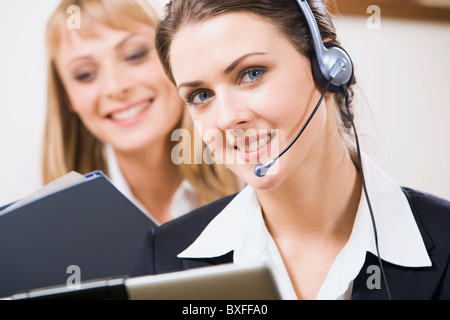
(334, 54)
(329, 62)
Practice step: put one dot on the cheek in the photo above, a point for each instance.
(152, 73)
(283, 94)
(83, 100)
(206, 126)
(82, 97)
(154, 78)
(289, 100)
(168, 92)
(172, 105)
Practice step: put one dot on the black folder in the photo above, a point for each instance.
(88, 227)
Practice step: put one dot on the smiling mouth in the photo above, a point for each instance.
(255, 145)
(130, 112)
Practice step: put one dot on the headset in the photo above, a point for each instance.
(332, 69)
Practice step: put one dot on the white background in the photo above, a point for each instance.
(403, 110)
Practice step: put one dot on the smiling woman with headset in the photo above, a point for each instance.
(320, 213)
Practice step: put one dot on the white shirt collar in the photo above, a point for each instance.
(240, 228)
(184, 200)
(237, 228)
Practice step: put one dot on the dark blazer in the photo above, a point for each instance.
(432, 214)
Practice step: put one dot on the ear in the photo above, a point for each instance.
(319, 76)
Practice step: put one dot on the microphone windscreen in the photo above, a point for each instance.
(261, 169)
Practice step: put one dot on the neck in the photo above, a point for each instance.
(321, 200)
(324, 203)
(152, 177)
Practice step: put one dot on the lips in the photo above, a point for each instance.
(131, 111)
(255, 144)
(252, 143)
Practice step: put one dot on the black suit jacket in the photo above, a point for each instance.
(162, 245)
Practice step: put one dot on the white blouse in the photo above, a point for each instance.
(240, 227)
(184, 200)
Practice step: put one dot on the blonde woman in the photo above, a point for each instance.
(112, 108)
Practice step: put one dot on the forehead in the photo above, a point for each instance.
(102, 32)
(219, 41)
(102, 38)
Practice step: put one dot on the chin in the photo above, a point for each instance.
(130, 145)
(270, 182)
(266, 184)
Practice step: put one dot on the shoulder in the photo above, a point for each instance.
(163, 244)
(188, 227)
(432, 214)
(428, 206)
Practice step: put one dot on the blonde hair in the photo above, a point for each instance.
(68, 145)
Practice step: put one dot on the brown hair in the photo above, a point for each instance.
(68, 145)
(284, 14)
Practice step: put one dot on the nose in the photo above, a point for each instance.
(233, 112)
(116, 83)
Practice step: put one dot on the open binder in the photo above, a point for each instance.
(81, 221)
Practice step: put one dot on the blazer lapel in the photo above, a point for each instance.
(404, 283)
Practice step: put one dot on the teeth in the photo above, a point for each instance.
(255, 145)
(131, 112)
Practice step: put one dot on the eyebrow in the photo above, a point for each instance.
(228, 70)
(121, 43)
(239, 60)
(117, 46)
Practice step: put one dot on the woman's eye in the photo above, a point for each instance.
(137, 56)
(252, 75)
(199, 97)
(85, 76)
